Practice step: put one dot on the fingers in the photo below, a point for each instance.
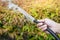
(43, 27)
(39, 24)
(43, 24)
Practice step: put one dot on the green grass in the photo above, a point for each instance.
(17, 27)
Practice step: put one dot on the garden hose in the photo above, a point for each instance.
(50, 31)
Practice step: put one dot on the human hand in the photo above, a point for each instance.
(48, 23)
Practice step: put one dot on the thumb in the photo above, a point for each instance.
(41, 21)
(49, 22)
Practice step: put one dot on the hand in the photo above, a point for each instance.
(49, 23)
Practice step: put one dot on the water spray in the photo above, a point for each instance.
(29, 17)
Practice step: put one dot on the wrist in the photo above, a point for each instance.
(58, 26)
